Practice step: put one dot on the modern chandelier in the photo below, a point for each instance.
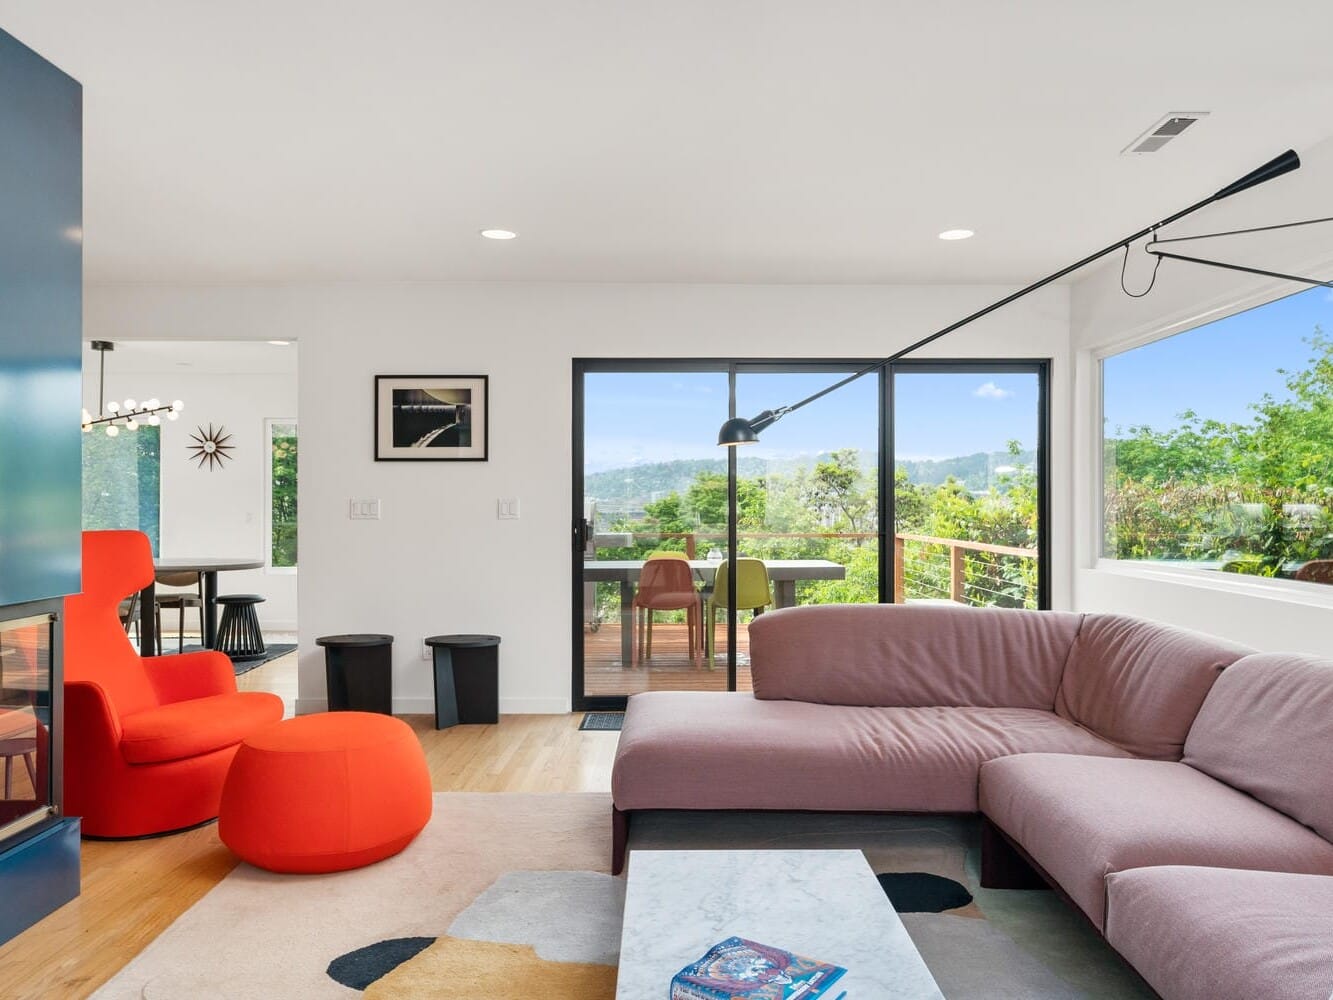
(130, 414)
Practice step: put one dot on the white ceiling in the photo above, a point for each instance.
(676, 140)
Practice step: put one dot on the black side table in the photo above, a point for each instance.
(359, 672)
(467, 679)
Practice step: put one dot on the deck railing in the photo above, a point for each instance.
(924, 566)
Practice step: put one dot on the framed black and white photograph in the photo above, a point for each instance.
(430, 418)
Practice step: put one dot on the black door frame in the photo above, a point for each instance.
(886, 515)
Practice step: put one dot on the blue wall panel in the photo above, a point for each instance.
(41, 322)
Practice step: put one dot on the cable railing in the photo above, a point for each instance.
(925, 567)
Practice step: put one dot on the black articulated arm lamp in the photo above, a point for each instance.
(739, 430)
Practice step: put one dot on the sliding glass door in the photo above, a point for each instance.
(652, 491)
(969, 497)
(807, 497)
(651, 505)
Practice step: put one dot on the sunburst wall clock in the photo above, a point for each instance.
(210, 447)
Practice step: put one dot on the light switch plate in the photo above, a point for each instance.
(363, 510)
(506, 508)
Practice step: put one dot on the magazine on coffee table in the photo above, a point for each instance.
(738, 969)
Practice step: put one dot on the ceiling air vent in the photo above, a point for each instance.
(1164, 131)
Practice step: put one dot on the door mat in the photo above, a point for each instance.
(602, 722)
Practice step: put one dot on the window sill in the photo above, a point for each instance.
(280, 570)
(1313, 595)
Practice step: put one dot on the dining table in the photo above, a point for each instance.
(782, 572)
(208, 569)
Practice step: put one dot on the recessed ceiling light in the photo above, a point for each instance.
(498, 234)
(280, 343)
(956, 234)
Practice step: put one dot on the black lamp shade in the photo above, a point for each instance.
(738, 430)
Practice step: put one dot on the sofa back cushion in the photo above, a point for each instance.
(911, 655)
(1266, 728)
(1139, 683)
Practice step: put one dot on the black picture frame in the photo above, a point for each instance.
(432, 418)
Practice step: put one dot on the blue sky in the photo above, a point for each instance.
(655, 417)
(1217, 370)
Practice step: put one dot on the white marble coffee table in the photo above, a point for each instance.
(825, 905)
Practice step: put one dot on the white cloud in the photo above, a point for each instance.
(989, 390)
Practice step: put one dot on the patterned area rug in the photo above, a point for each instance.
(502, 892)
(272, 651)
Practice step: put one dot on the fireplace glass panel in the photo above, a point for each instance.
(25, 721)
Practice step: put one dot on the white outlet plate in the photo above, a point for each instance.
(426, 652)
(506, 508)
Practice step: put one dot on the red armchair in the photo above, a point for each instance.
(148, 740)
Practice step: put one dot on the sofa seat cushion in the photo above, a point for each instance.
(1222, 934)
(710, 750)
(1081, 818)
(195, 727)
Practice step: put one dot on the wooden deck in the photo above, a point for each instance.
(669, 669)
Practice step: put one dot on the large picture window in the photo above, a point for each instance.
(1218, 445)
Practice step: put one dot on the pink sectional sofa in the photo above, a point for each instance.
(1115, 758)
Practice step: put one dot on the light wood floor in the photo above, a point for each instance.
(133, 890)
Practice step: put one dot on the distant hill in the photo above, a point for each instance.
(975, 471)
(657, 479)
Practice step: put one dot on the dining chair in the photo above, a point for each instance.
(178, 601)
(666, 583)
(1316, 571)
(753, 593)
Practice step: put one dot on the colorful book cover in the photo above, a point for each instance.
(737, 969)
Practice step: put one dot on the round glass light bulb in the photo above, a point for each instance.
(87, 428)
(112, 430)
(172, 415)
(177, 405)
(131, 425)
(154, 421)
(131, 404)
(113, 407)
(152, 404)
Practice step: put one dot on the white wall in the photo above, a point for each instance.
(439, 561)
(1273, 615)
(217, 513)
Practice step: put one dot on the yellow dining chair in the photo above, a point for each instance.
(753, 593)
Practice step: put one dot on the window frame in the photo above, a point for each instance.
(1268, 588)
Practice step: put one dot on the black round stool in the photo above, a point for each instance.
(238, 631)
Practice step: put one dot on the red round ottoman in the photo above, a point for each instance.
(324, 793)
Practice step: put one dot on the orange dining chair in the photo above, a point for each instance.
(148, 740)
(666, 583)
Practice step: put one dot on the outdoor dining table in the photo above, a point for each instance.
(208, 569)
(783, 572)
